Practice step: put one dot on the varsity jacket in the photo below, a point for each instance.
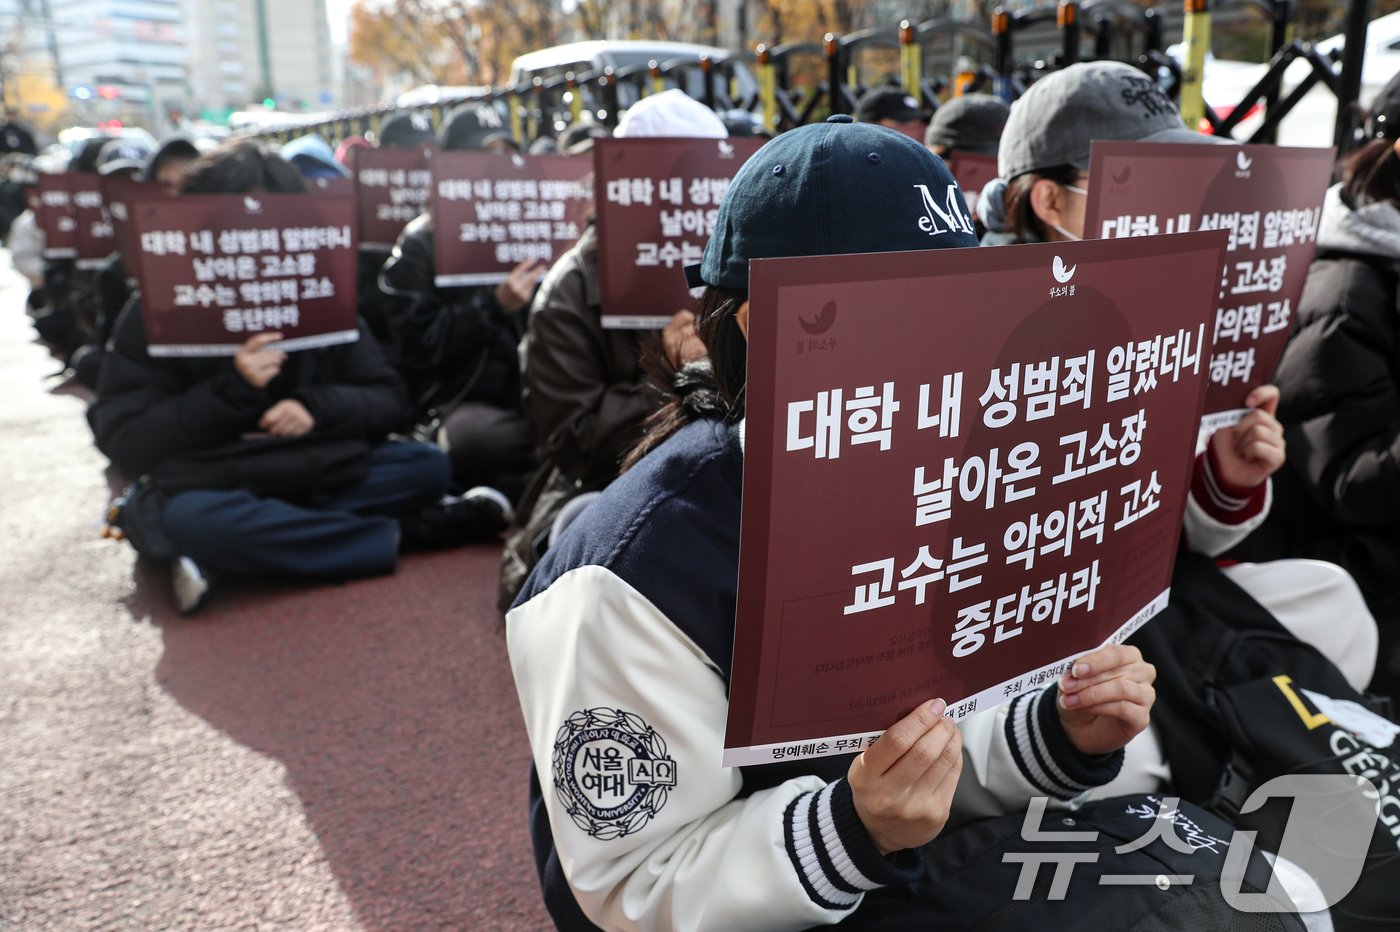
(620, 644)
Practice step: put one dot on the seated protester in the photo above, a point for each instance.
(632, 614)
(1044, 160)
(407, 129)
(118, 157)
(895, 108)
(1339, 495)
(584, 389)
(344, 151)
(313, 157)
(175, 421)
(456, 347)
(970, 123)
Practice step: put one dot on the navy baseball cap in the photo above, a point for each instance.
(831, 188)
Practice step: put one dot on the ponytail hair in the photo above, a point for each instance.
(707, 389)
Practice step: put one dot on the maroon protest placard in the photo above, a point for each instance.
(118, 191)
(216, 269)
(55, 215)
(951, 490)
(95, 235)
(972, 171)
(657, 203)
(1269, 200)
(393, 186)
(493, 211)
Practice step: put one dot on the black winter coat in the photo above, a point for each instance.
(1338, 496)
(452, 344)
(151, 408)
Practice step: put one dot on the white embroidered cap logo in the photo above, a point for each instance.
(419, 120)
(948, 217)
(1063, 274)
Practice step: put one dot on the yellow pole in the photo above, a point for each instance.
(517, 126)
(911, 61)
(1197, 39)
(767, 87)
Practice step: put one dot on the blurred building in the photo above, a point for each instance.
(124, 57)
(243, 52)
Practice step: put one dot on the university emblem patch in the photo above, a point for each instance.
(611, 771)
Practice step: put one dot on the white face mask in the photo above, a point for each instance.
(1061, 230)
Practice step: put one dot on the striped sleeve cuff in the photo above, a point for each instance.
(832, 852)
(1043, 751)
(1225, 503)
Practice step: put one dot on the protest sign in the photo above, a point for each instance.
(55, 215)
(393, 187)
(972, 171)
(657, 203)
(217, 269)
(118, 191)
(492, 211)
(952, 490)
(96, 238)
(1268, 199)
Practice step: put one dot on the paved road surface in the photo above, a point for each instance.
(328, 757)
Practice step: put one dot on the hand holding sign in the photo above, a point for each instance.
(519, 287)
(1252, 450)
(1106, 700)
(903, 786)
(682, 343)
(256, 362)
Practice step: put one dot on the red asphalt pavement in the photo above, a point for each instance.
(302, 757)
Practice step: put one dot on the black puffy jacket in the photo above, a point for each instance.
(452, 344)
(151, 408)
(1338, 496)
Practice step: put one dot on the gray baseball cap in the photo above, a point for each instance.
(1055, 122)
(970, 123)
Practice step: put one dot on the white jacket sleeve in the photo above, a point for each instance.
(1217, 517)
(600, 669)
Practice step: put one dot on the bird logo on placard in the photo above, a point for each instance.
(1063, 274)
(253, 205)
(1123, 176)
(1243, 161)
(726, 149)
(822, 322)
(517, 160)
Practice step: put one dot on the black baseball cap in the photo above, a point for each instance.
(831, 188)
(1383, 119)
(407, 129)
(888, 103)
(474, 127)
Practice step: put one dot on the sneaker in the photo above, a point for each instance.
(477, 515)
(190, 584)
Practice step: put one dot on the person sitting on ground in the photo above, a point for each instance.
(1044, 160)
(970, 123)
(1339, 495)
(584, 387)
(630, 617)
(895, 108)
(456, 347)
(315, 420)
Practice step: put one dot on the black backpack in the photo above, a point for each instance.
(972, 876)
(1239, 702)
